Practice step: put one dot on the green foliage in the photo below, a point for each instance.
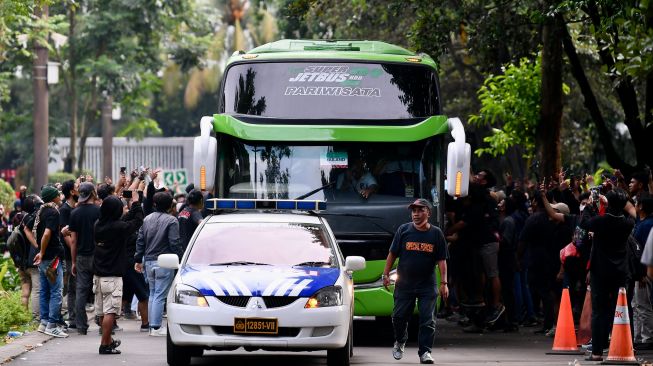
(7, 195)
(12, 313)
(511, 105)
(9, 277)
(60, 177)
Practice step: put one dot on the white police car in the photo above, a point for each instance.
(261, 279)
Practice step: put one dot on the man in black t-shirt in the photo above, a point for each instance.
(82, 222)
(419, 246)
(48, 259)
(190, 217)
(65, 210)
(609, 269)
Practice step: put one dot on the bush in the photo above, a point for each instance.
(9, 277)
(7, 195)
(12, 312)
(60, 177)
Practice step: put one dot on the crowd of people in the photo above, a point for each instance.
(92, 248)
(514, 248)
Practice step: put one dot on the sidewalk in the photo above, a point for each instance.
(28, 342)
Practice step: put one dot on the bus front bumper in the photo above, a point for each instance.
(373, 301)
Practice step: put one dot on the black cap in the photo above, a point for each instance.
(85, 190)
(421, 202)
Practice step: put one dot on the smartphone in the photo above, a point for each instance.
(123, 169)
(82, 179)
(127, 194)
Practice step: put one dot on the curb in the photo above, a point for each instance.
(21, 345)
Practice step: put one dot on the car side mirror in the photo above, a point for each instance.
(354, 263)
(170, 261)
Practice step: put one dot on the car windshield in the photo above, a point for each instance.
(257, 243)
(331, 90)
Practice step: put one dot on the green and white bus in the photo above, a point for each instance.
(357, 124)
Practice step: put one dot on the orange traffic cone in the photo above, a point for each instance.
(621, 344)
(565, 339)
(585, 327)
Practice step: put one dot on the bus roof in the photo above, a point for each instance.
(360, 50)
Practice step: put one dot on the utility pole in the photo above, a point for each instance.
(107, 139)
(41, 109)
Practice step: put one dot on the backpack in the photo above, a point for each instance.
(635, 250)
(18, 247)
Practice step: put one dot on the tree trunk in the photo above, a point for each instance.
(69, 164)
(612, 156)
(548, 130)
(41, 109)
(107, 139)
(89, 117)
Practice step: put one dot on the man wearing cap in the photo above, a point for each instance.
(82, 247)
(419, 246)
(48, 260)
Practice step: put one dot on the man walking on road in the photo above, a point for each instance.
(419, 246)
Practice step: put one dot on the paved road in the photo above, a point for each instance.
(372, 347)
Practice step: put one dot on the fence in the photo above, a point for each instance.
(168, 153)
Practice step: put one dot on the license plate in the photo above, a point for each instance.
(256, 325)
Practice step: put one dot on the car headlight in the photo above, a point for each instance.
(328, 296)
(187, 295)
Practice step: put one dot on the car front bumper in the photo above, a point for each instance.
(299, 328)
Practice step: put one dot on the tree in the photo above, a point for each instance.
(511, 105)
(114, 50)
(620, 34)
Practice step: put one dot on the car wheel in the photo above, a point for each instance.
(177, 355)
(340, 356)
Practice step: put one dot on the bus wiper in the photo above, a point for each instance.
(315, 191)
(239, 263)
(312, 264)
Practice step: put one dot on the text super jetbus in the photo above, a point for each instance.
(357, 124)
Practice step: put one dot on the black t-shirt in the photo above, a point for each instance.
(50, 219)
(189, 218)
(82, 221)
(609, 246)
(64, 219)
(538, 235)
(418, 252)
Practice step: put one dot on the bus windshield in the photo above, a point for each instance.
(331, 90)
(341, 172)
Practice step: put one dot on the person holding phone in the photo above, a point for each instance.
(111, 233)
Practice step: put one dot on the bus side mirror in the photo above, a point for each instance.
(459, 155)
(205, 154)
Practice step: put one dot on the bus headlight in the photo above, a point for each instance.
(328, 296)
(187, 295)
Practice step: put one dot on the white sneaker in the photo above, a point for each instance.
(161, 332)
(398, 350)
(41, 328)
(89, 308)
(426, 358)
(56, 332)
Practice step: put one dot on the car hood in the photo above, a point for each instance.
(258, 280)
